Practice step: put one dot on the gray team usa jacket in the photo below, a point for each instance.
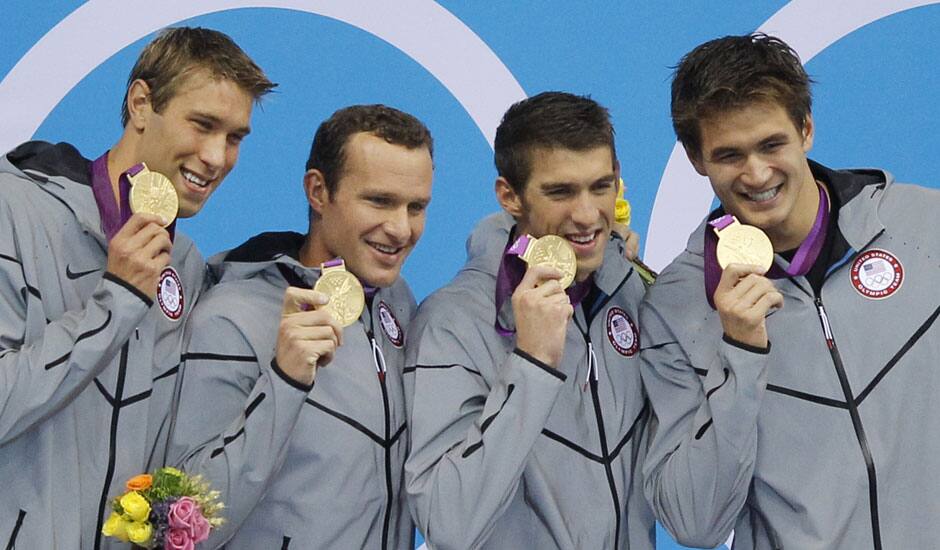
(298, 467)
(832, 439)
(87, 363)
(509, 453)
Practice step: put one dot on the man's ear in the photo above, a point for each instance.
(139, 107)
(315, 190)
(695, 157)
(809, 132)
(508, 198)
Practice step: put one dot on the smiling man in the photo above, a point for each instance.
(307, 456)
(527, 418)
(824, 439)
(87, 359)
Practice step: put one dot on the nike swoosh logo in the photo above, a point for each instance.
(76, 275)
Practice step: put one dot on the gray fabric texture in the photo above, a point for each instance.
(507, 453)
(87, 366)
(767, 444)
(297, 467)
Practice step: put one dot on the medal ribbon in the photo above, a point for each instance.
(806, 255)
(511, 271)
(114, 214)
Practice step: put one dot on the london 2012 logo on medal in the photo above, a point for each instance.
(877, 274)
(390, 325)
(622, 332)
(170, 294)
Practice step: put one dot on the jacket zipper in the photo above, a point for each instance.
(592, 382)
(380, 368)
(856, 421)
(11, 544)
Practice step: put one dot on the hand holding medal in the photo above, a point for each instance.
(152, 193)
(550, 250)
(540, 305)
(312, 321)
(744, 296)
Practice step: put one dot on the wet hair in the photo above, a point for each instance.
(328, 152)
(548, 120)
(177, 53)
(733, 72)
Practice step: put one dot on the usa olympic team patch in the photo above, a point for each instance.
(390, 325)
(170, 294)
(877, 274)
(622, 332)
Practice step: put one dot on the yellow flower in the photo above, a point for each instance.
(135, 506)
(139, 532)
(622, 208)
(115, 526)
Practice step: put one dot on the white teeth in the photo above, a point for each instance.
(192, 178)
(384, 248)
(764, 195)
(581, 239)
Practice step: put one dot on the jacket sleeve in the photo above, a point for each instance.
(234, 418)
(470, 437)
(45, 363)
(698, 469)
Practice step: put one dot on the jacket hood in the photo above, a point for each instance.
(260, 253)
(40, 161)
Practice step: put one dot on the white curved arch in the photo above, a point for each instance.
(422, 29)
(684, 197)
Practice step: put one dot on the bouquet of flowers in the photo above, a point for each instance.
(168, 510)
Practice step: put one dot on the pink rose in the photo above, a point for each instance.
(178, 539)
(199, 530)
(181, 513)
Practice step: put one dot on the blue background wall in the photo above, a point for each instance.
(877, 68)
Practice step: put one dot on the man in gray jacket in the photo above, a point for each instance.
(87, 360)
(308, 455)
(795, 407)
(528, 421)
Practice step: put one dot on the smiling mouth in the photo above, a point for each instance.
(385, 249)
(582, 239)
(194, 179)
(764, 196)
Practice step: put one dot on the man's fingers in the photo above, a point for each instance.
(731, 275)
(298, 299)
(537, 275)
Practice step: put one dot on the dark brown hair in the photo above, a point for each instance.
(177, 53)
(328, 154)
(733, 72)
(548, 120)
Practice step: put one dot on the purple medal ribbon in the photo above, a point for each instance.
(369, 291)
(114, 215)
(806, 255)
(511, 271)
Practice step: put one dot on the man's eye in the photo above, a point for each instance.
(772, 146)
(728, 157)
(416, 208)
(379, 201)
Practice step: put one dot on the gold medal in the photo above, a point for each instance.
(346, 295)
(742, 244)
(554, 251)
(153, 193)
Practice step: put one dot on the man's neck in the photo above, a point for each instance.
(313, 252)
(121, 157)
(792, 233)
